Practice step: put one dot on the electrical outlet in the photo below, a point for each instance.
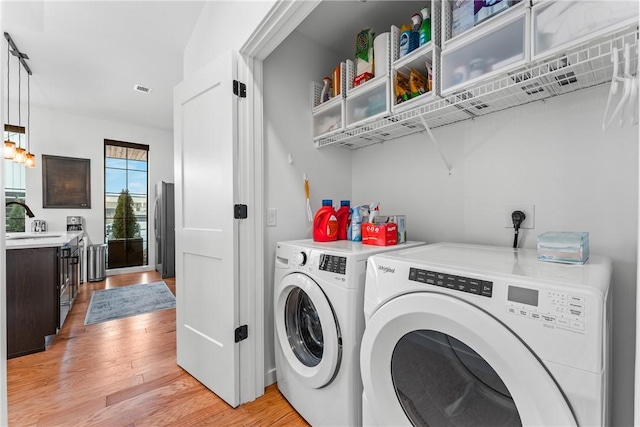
(529, 212)
(271, 217)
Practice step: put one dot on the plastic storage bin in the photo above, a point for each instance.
(96, 260)
(561, 25)
(328, 116)
(497, 46)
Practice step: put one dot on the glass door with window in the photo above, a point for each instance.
(126, 200)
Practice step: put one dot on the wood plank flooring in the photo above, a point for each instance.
(124, 373)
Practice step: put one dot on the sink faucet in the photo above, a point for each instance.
(26, 208)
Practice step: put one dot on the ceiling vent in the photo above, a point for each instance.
(140, 88)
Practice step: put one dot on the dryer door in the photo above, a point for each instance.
(307, 330)
(432, 359)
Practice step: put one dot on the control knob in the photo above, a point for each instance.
(300, 259)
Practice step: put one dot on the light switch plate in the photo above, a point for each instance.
(271, 217)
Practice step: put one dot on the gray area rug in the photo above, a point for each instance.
(117, 303)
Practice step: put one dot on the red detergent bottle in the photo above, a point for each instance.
(343, 215)
(325, 223)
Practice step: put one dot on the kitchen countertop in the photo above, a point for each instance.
(46, 239)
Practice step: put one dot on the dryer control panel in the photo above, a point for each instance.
(561, 309)
(458, 283)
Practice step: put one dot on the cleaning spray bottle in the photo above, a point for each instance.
(374, 207)
(343, 216)
(354, 233)
(325, 223)
(425, 28)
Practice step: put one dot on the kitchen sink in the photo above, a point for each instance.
(32, 236)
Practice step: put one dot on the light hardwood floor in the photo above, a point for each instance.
(124, 373)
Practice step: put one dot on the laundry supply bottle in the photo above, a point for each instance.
(414, 41)
(425, 28)
(343, 216)
(325, 95)
(355, 228)
(405, 38)
(325, 223)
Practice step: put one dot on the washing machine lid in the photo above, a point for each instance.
(307, 330)
(391, 390)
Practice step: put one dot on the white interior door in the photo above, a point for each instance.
(205, 129)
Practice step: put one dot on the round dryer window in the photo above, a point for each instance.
(441, 381)
(432, 359)
(307, 330)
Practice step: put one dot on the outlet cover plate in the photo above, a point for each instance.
(529, 212)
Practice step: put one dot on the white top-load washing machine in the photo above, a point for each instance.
(319, 321)
(478, 335)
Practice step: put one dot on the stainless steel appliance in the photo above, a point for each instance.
(69, 260)
(38, 226)
(76, 223)
(164, 227)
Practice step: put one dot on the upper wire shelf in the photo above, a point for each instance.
(579, 68)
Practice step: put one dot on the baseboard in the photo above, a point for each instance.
(139, 269)
(270, 377)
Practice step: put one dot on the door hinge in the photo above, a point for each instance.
(242, 333)
(240, 211)
(239, 89)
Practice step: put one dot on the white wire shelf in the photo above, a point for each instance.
(579, 68)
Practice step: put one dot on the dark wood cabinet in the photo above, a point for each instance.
(32, 299)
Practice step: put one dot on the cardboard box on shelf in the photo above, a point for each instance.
(399, 220)
(379, 234)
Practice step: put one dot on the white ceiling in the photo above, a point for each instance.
(86, 56)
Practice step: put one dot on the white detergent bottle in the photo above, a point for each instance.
(354, 232)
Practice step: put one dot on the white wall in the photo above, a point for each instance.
(553, 155)
(287, 107)
(60, 134)
(222, 26)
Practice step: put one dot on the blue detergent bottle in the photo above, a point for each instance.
(354, 232)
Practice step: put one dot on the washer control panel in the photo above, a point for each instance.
(333, 264)
(458, 283)
(553, 308)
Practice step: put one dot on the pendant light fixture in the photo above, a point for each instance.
(9, 146)
(12, 151)
(21, 153)
(30, 160)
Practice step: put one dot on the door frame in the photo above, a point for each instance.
(280, 21)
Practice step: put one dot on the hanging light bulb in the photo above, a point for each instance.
(21, 153)
(9, 146)
(30, 160)
(9, 150)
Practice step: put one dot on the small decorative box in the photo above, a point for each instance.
(571, 247)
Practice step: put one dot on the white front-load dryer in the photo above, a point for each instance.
(466, 335)
(319, 320)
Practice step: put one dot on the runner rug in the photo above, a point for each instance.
(127, 301)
